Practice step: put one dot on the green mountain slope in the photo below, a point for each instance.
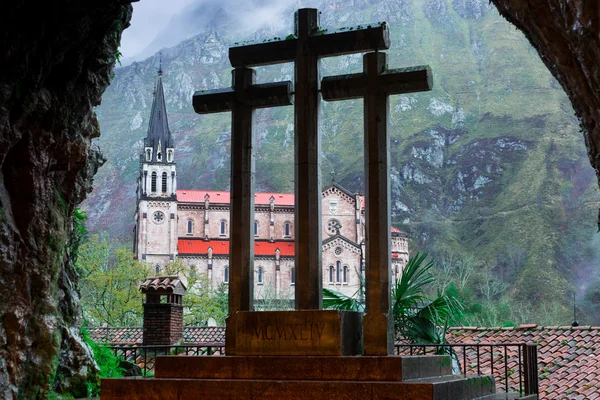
(489, 164)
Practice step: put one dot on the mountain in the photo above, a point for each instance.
(489, 166)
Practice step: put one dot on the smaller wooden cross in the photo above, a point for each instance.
(241, 99)
(375, 85)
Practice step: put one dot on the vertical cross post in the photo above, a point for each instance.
(241, 256)
(241, 99)
(375, 85)
(308, 289)
(378, 321)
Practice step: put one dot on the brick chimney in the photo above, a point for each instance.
(163, 310)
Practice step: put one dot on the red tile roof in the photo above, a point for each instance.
(286, 249)
(260, 198)
(221, 247)
(201, 335)
(197, 196)
(568, 358)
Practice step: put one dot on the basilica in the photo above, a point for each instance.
(193, 225)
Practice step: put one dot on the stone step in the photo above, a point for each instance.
(509, 396)
(330, 368)
(458, 387)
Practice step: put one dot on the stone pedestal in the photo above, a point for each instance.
(301, 377)
(295, 333)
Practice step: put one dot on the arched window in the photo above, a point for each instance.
(164, 182)
(259, 278)
(331, 274)
(338, 265)
(222, 228)
(190, 227)
(153, 182)
(255, 228)
(293, 276)
(157, 269)
(170, 155)
(192, 271)
(226, 275)
(158, 156)
(148, 155)
(286, 228)
(345, 275)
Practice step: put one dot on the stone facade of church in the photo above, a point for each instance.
(193, 225)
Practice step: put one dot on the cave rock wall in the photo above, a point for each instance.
(56, 58)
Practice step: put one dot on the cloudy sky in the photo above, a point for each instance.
(183, 19)
(149, 18)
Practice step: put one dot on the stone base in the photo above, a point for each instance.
(358, 368)
(295, 333)
(301, 377)
(447, 388)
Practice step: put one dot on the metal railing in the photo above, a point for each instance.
(145, 356)
(516, 363)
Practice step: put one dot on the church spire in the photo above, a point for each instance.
(159, 139)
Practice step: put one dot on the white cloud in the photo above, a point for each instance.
(157, 24)
(150, 17)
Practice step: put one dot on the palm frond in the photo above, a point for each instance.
(333, 300)
(408, 292)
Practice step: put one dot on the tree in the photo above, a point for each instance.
(110, 281)
(202, 300)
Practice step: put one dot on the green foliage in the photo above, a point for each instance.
(202, 300)
(416, 317)
(79, 234)
(333, 300)
(109, 283)
(108, 364)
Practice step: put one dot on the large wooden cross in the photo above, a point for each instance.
(375, 85)
(241, 99)
(304, 48)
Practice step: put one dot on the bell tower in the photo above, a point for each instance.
(156, 215)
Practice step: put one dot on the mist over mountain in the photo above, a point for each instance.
(244, 17)
(490, 164)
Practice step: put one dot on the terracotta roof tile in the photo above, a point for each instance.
(260, 198)
(219, 197)
(568, 359)
(221, 247)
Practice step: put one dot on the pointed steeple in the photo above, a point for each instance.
(159, 137)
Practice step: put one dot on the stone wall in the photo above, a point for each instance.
(56, 62)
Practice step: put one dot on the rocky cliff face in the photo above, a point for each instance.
(57, 59)
(565, 33)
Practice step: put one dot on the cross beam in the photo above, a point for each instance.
(241, 99)
(304, 48)
(375, 85)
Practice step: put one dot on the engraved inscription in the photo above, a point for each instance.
(287, 331)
